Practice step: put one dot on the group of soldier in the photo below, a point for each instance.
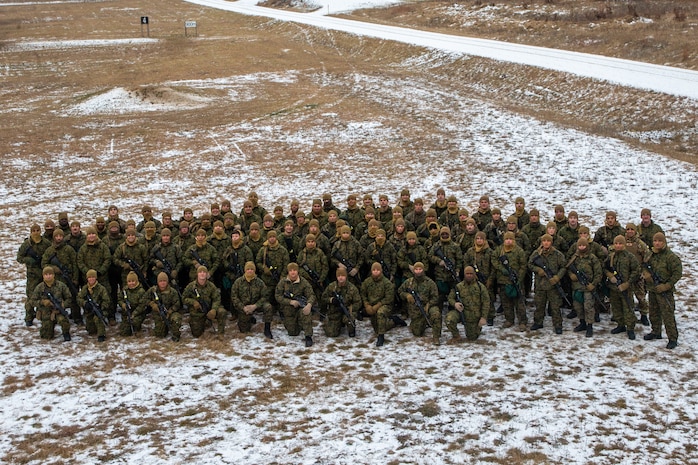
(386, 264)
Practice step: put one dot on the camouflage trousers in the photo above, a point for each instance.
(513, 307)
(295, 321)
(381, 321)
(94, 324)
(175, 321)
(640, 293)
(136, 317)
(198, 321)
(418, 324)
(661, 312)
(245, 320)
(585, 310)
(335, 321)
(543, 299)
(472, 328)
(48, 324)
(624, 315)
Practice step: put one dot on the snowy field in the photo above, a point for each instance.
(508, 398)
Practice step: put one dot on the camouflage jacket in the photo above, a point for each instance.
(518, 262)
(474, 297)
(379, 290)
(254, 292)
(553, 260)
(94, 257)
(288, 290)
(209, 296)
(589, 265)
(668, 267)
(424, 287)
(316, 261)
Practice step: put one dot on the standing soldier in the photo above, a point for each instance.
(570, 232)
(412, 253)
(341, 295)
(384, 213)
(559, 219)
(522, 217)
(635, 246)
(30, 253)
(220, 241)
(607, 233)
(233, 263)
(272, 260)
(147, 213)
(113, 240)
(95, 255)
(483, 215)
(548, 265)
(510, 264)
(200, 254)
(422, 299)
(94, 298)
(382, 252)
(164, 302)
(254, 239)
(471, 304)
(133, 302)
(247, 217)
(446, 259)
(405, 203)
(418, 216)
(479, 257)
(496, 229)
(378, 296)
(166, 257)
(49, 227)
(296, 299)
(290, 241)
(622, 269)
(76, 238)
(63, 223)
(249, 294)
(440, 205)
(347, 250)
(647, 227)
(353, 214)
(113, 215)
(65, 268)
(317, 213)
(663, 270)
(450, 217)
(101, 228)
(313, 266)
(49, 297)
(584, 270)
(131, 256)
(203, 299)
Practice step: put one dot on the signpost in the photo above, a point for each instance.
(190, 25)
(145, 22)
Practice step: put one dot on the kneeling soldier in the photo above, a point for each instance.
(204, 301)
(422, 297)
(94, 298)
(165, 306)
(342, 300)
(249, 293)
(296, 299)
(471, 302)
(49, 298)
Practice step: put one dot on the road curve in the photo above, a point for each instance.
(663, 79)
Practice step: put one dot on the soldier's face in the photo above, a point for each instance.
(418, 271)
(248, 209)
(341, 279)
(313, 229)
(469, 276)
(300, 220)
(75, 230)
(470, 227)
(441, 196)
(411, 241)
(368, 202)
(288, 229)
(534, 219)
(582, 248)
(584, 235)
(480, 241)
(272, 240)
(376, 272)
(48, 277)
(511, 225)
(317, 208)
(92, 280)
(188, 216)
(646, 219)
(345, 236)
(629, 233)
(166, 239)
(150, 230)
(546, 244)
(418, 207)
(162, 284)
(484, 204)
(496, 216)
(519, 205)
(113, 211)
(551, 231)
(618, 246)
(332, 218)
(559, 214)
(383, 202)
(573, 221)
(658, 244)
(293, 274)
(202, 276)
(400, 228)
(509, 242)
(351, 203)
(310, 245)
(131, 238)
(132, 283)
(250, 272)
(610, 220)
(91, 238)
(215, 211)
(405, 198)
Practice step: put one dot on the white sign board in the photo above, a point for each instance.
(189, 23)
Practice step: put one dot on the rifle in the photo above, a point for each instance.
(162, 310)
(137, 269)
(344, 261)
(619, 281)
(66, 274)
(448, 264)
(480, 275)
(419, 304)
(235, 267)
(504, 260)
(584, 281)
(204, 307)
(166, 265)
(386, 270)
(542, 263)
(96, 309)
(33, 255)
(275, 275)
(198, 258)
(314, 277)
(458, 299)
(303, 301)
(129, 310)
(56, 304)
(339, 301)
(289, 246)
(657, 280)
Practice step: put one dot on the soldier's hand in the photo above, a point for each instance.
(266, 270)
(159, 265)
(661, 288)
(212, 314)
(590, 287)
(482, 322)
(554, 280)
(197, 305)
(647, 276)
(442, 263)
(613, 280)
(410, 298)
(174, 274)
(154, 306)
(623, 287)
(45, 302)
(126, 266)
(573, 277)
(459, 306)
(371, 309)
(295, 303)
(541, 272)
(307, 309)
(341, 265)
(354, 272)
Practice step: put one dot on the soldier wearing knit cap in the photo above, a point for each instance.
(479, 256)
(113, 215)
(248, 295)
(522, 217)
(49, 227)
(95, 255)
(443, 254)
(483, 215)
(337, 293)
(76, 237)
(424, 230)
(63, 259)
(137, 304)
(382, 252)
(418, 215)
(647, 228)
(635, 246)
(328, 205)
(548, 265)
(384, 212)
(668, 270)
(440, 205)
(347, 250)
(378, 297)
(201, 253)
(421, 287)
(29, 254)
(147, 212)
(521, 238)
(559, 219)
(166, 256)
(203, 299)
(257, 208)
(607, 233)
(470, 306)
(64, 223)
(162, 294)
(302, 225)
(317, 213)
(296, 300)
(353, 215)
(248, 217)
(496, 229)
(510, 280)
(272, 259)
(410, 254)
(46, 311)
(99, 298)
(585, 264)
(314, 265)
(622, 269)
(451, 217)
(295, 208)
(362, 228)
(405, 203)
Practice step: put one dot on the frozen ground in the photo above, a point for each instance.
(509, 398)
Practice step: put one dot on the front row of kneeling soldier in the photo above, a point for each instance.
(469, 302)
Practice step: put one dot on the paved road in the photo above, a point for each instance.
(663, 79)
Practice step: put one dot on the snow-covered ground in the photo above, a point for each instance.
(510, 397)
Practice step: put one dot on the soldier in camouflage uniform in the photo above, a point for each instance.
(546, 293)
(496, 229)
(647, 227)
(166, 256)
(559, 219)
(424, 231)
(353, 214)
(479, 257)
(521, 238)
(622, 269)
(405, 203)
(423, 288)
(101, 228)
(203, 299)
(587, 265)
(138, 302)
(100, 297)
(76, 238)
(510, 287)
(313, 266)
(233, 262)
(49, 227)
(412, 253)
(113, 240)
(382, 252)
(249, 294)
(483, 215)
(570, 232)
(147, 213)
(607, 233)
(440, 205)
(296, 299)
(113, 215)
(254, 239)
(349, 249)
(29, 254)
(378, 296)
(522, 217)
(318, 214)
(131, 255)
(248, 216)
(442, 253)
(63, 223)
(418, 216)
(290, 241)
(471, 303)
(450, 217)
(167, 296)
(46, 312)
(272, 259)
(95, 255)
(467, 238)
(350, 297)
(200, 254)
(635, 246)
(668, 270)
(65, 268)
(384, 212)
